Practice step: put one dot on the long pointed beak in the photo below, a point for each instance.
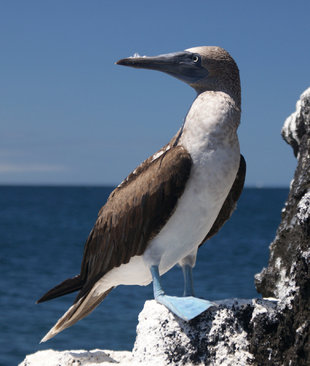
(185, 65)
(160, 63)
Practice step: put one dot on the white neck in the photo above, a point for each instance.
(211, 123)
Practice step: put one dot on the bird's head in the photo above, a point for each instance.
(203, 68)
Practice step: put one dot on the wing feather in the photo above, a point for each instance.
(134, 213)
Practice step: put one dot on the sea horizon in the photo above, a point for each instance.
(258, 186)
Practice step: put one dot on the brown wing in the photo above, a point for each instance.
(134, 213)
(231, 201)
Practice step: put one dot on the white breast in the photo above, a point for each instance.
(210, 137)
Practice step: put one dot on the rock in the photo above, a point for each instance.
(216, 337)
(287, 276)
(296, 126)
(273, 331)
(77, 358)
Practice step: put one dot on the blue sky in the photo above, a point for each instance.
(69, 115)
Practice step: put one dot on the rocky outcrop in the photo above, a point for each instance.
(274, 331)
(217, 337)
(287, 276)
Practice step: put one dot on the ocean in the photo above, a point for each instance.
(42, 235)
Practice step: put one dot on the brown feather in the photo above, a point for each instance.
(71, 317)
(77, 311)
(133, 214)
(65, 287)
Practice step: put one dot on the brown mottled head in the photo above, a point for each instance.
(203, 68)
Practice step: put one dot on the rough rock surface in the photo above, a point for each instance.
(77, 358)
(287, 276)
(217, 337)
(237, 332)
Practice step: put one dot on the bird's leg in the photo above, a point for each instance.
(188, 280)
(157, 289)
(187, 263)
(186, 308)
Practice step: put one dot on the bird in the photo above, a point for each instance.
(173, 201)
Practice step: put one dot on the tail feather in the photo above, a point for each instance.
(84, 306)
(65, 287)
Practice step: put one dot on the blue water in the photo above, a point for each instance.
(42, 234)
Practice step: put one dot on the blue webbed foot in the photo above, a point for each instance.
(186, 308)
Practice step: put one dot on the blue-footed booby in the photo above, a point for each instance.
(174, 201)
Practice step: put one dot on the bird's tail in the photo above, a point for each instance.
(65, 287)
(81, 308)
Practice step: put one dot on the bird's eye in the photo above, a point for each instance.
(195, 58)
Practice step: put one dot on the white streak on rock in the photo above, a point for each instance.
(289, 130)
(286, 286)
(303, 209)
(289, 127)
